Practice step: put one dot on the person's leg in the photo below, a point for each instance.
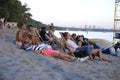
(66, 57)
(87, 49)
(38, 51)
(91, 57)
(97, 52)
(104, 59)
(63, 57)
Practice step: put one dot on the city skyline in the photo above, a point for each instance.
(75, 13)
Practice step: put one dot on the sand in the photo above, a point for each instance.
(17, 64)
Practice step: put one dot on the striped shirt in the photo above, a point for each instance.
(38, 47)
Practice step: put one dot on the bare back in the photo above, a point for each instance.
(19, 36)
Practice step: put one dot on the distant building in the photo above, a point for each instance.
(94, 27)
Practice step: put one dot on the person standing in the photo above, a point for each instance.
(52, 28)
(2, 20)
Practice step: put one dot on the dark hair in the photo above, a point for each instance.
(65, 34)
(51, 24)
(30, 26)
(80, 36)
(22, 24)
(73, 34)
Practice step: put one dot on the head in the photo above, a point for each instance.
(73, 35)
(80, 37)
(51, 24)
(30, 27)
(66, 35)
(51, 27)
(23, 26)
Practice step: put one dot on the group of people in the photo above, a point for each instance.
(28, 40)
(78, 49)
(82, 45)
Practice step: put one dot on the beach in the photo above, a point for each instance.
(18, 64)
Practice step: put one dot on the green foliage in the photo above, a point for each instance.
(14, 11)
(35, 23)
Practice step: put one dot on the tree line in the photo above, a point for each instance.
(14, 11)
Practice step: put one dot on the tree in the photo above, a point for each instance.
(13, 10)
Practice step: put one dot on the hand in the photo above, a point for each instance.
(50, 32)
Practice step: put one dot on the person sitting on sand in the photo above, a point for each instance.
(117, 46)
(73, 37)
(44, 35)
(81, 41)
(31, 34)
(20, 35)
(59, 41)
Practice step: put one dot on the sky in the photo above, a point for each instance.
(73, 13)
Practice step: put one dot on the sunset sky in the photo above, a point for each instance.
(76, 13)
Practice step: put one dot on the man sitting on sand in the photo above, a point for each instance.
(31, 34)
(44, 35)
(20, 36)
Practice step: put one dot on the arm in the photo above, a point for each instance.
(32, 34)
(38, 51)
(48, 37)
(70, 49)
(57, 40)
(37, 33)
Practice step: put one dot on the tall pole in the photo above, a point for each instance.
(114, 29)
(116, 18)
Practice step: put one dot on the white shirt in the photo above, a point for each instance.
(72, 44)
(2, 20)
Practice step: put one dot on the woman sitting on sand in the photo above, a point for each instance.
(86, 48)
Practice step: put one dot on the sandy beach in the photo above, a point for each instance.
(17, 64)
